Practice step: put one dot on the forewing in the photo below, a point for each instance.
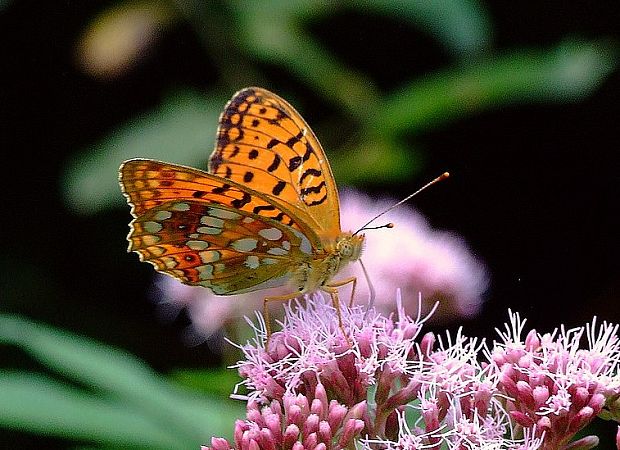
(265, 144)
(227, 250)
(148, 184)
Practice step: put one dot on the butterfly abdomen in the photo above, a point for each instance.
(312, 274)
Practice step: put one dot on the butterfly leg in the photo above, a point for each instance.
(278, 298)
(352, 280)
(333, 292)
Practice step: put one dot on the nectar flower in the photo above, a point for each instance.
(551, 382)
(296, 421)
(434, 263)
(380, 382)
(415, 258)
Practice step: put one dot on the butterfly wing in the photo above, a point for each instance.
(148, 184)
(226, 250)
(201, 237)
(265, 144)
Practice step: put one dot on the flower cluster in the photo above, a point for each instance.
(379, 382)
(297, 422)
(552, 383)
(437, 264)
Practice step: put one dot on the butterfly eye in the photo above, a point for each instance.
(345, 248)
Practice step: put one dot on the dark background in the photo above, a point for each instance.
(534, 188)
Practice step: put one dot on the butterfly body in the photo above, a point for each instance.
(313, 274)
(266, 213)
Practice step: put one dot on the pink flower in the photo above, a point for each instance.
(296, 422)
(376, 369)
(412, 256)
(552, 383)
(415, 258)
(399, 388)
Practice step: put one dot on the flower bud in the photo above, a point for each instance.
(325, 432)
(218, 444)
(585, 443)
(352, 428)
(532, 342)
(521, 418)
(291, 435)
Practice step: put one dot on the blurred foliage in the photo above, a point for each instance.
(184, 126)
(219, 383)
(104, 396)
(182, 129)
(100, 394)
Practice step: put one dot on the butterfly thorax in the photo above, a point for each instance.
(320, 270)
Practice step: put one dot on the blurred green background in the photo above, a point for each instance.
(518, 100)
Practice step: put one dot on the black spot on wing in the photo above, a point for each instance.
(318, 202)
(278, 188)
(253, 154)
(241, 202)
(248, 176)
(274, 165)
(216, 160)
(309, 152)
(221, 189)
(294, 140)
(310, 172)
(294, 163)
(258, 209)
(313, 189)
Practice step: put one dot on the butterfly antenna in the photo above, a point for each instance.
(441, 177)
(371, 288)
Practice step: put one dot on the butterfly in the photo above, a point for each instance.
(265, 214)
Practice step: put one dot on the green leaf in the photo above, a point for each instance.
(217, 382)
(122, 377)
(382, 160)
(272, 30)
(567, 73)
(181, 130)
(38, 404)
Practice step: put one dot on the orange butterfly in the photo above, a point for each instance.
(267, 213)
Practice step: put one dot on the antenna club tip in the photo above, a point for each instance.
(389, 225)
(445, 175)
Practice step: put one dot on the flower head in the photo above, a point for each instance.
(312, 349)
(416, 258)
(380, 381)
(296, 421)
(554, 384)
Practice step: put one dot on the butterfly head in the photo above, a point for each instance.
(349, 246)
